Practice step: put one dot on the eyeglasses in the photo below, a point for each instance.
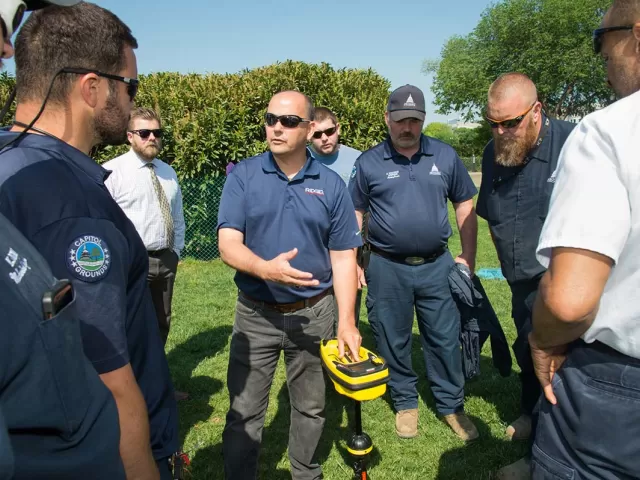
(287, 121)
(144, 133)
(132, 83)
(511, 122)
(598, 33)
(328, 132)
(11, 12)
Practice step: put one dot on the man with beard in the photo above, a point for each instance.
(76, 81)
(518, 175)
(148, 192)
(403, 184)
(586, 329)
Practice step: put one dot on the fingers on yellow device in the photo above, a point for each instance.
(363, 380)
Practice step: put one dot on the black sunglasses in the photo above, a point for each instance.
(287, 121)
(511, 122)
(132, 83)
(598, 33)
(329, 131)
(145, 132)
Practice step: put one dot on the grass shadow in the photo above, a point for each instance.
(183, 360)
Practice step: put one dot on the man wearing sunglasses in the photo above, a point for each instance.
(586, 320)
(147, 190)
(36, 441)
(518, 176)
(326, 146)
(54, 193)
(403, 184)
(286, 225)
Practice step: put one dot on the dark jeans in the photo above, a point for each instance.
(161, 278)
(593, 432)
(394, 290)
(523, 296)
(259, 335)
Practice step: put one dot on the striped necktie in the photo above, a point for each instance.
(164, 206)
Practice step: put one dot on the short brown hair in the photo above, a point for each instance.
(625, 11)
(323, 113)
(82, 36)
(145, 114)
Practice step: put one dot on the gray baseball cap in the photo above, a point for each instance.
(406, 102)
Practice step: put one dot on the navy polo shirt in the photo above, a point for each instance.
(407, 198)
(61, 420)
(312, 212)
(515, 201)
(55, 195)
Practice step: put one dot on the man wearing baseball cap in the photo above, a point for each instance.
(57, 418)
(404, 183)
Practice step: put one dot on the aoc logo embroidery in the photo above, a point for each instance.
(88, 258)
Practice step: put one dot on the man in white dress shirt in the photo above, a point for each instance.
(148, 192)
(586, 320)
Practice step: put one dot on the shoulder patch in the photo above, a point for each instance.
(88, 258)
(353, 171)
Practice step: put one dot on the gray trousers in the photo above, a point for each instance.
(161, 278)
(259, 336)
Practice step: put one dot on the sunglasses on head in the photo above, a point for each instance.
(287, 121)
(144, 133)
(11, 13)
(328, 132)
(511, 122)
(132, 83)
(598, 33)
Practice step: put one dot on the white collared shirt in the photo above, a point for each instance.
(131, 187)
(595, 206)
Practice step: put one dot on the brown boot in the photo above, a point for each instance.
(520, 428)
(462, 426)
(520, 470)
(407, 423)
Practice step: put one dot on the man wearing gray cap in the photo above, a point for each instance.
(404, 183)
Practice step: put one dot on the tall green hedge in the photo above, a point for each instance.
(214, 118)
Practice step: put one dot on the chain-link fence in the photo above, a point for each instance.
(201, 199)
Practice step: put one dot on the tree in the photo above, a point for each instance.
(548, 40)
(441, 131)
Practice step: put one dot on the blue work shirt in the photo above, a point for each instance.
(312, 212)
(55, 195)
(61, 419)
(407, 198)
(341, 161)
(515, 201)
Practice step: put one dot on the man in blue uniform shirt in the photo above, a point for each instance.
(36, 440)
(518, 175)
(55, 195)
(403, 184)
(286, 224)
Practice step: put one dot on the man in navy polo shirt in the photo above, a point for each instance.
(55, 195)
(404, 184)
(286, 224)
(518, 175)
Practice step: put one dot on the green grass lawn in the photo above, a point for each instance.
(198, 350)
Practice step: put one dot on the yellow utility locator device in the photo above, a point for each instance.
(363, 380)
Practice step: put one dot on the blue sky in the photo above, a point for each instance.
(393, 37)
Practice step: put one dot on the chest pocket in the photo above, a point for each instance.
(61, 339)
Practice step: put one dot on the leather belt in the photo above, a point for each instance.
(157, 253)
(409, 260)
(290, 307)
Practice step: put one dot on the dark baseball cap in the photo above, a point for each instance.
(406, 102)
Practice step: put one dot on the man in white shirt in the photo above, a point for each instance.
(148, 192)
(586, 321)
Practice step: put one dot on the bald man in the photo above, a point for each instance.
(518, 175)
(287, 225)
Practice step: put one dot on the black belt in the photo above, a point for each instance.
(409, 260)
(157, 253)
